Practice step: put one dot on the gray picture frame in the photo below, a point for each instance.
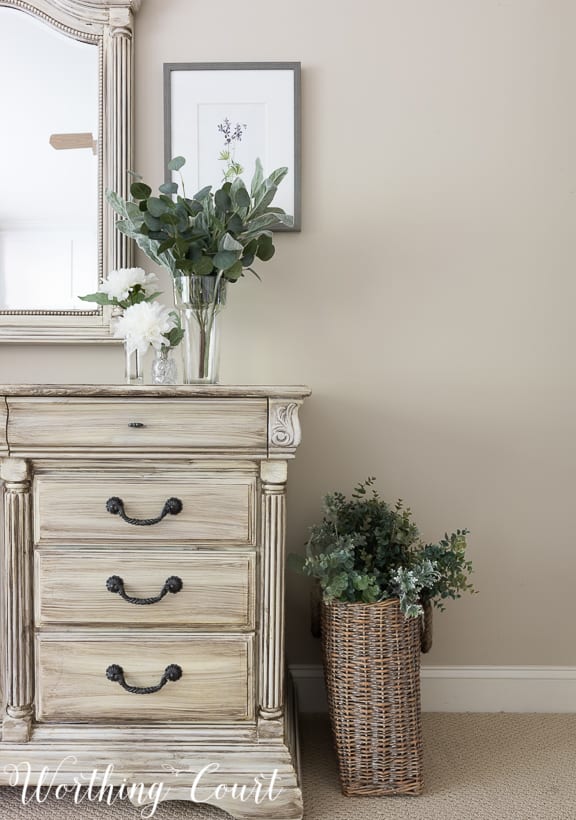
(294, 163)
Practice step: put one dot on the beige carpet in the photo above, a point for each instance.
(478, 767)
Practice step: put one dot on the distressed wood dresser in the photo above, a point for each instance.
(143, 591)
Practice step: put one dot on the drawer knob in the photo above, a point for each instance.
(115, 506)
(136, 424)
(115, 673)
(116, 584)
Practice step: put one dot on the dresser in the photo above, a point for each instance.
(143, 592)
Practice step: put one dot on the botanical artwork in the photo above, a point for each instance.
(232, 136)
(237, 133)
(249, 111)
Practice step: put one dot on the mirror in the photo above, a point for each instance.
(63, 63)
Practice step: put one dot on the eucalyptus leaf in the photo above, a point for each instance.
(184, 265)
(194, 252)
(181, 246)
(228, 243)
(156, 207)
(203, 266)
(176, 163)
(192, 206)
(217, 231)
(140, 190)
(222, 200)
(239, 194)
(152, 222)
(266, 248)
(225, 259)
(235, 224)
(233, 273)
(166, 245)
(202, 193)
(169, 188)
(169, 219)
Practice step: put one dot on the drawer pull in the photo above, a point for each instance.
(115, 506)
(115, 674)
(136, 424)
(116, 584)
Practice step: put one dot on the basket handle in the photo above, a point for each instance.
(316, 609)
(426, 626)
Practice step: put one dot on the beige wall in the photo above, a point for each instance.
(429, 300)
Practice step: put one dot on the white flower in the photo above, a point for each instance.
(143, 325)
(120, 282)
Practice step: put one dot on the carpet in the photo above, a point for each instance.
(477, 767)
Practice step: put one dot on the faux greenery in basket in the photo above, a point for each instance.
(367, 551)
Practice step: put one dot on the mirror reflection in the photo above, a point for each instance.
(48, 166)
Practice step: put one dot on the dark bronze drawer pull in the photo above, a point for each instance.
(136, 424)
(115, 506)
(116, 584)
(115, 674)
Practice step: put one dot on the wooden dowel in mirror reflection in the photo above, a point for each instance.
(66, 141)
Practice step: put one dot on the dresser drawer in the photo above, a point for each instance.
(211, 590)
(120, 425)
(216, 683)
(72, 510)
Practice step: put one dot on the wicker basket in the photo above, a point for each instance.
(372, 666)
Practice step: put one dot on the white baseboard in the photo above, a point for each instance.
(467, 688)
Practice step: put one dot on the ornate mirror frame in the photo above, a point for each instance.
(108, 24)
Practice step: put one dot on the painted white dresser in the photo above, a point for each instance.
(143, 591)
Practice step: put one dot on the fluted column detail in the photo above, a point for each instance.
(273, 475)
(118, 110)
(17, 602)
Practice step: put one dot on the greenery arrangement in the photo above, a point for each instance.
(213, 233)
(366, 551)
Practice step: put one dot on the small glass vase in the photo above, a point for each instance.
(199, 301)
(133, 366)
(164, 367)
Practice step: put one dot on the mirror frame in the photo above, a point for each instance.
(108, 24)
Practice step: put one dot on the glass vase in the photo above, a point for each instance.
(164, 367)
(133, 366)
(199, 301)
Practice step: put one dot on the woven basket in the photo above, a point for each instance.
(372, 667)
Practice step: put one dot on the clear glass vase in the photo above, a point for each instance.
(133, 366)
(164, 367)
(199, 300)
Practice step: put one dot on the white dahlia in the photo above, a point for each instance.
(120, 282)
(143, 325)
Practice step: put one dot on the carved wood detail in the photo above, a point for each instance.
(273, 477)
(119, 248)
(284, 431)
(17, 600)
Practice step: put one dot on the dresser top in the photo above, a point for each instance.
(244, 391)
